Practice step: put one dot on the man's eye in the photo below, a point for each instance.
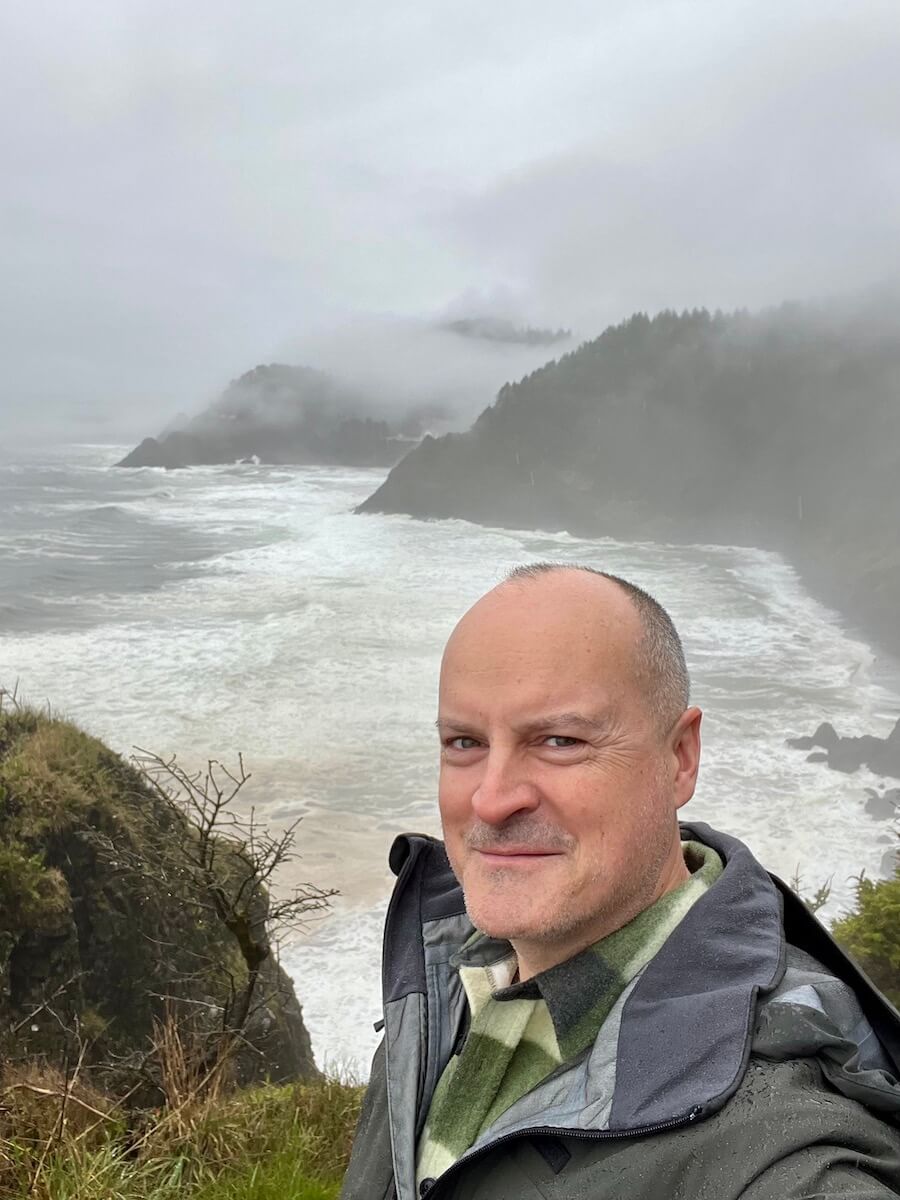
(559, 742)
(462, 743)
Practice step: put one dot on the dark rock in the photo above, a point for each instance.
(278, 1041)
(175, 450)
(885, 756)
(802, 743)
(883, 805)
(825, 735)
(848, 754)
(100, 919)
(851, 753)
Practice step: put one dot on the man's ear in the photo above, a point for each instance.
(685, 749)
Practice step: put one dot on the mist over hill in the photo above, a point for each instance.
(779, 429)
(286, 414)
(377, 386)
(501, 329)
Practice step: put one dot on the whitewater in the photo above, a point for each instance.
(246, 608)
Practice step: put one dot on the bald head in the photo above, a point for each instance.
(577, 600)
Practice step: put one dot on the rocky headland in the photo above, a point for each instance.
(779, 430)
(285, 414)
(104, 926)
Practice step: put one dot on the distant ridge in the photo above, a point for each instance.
(498, 329)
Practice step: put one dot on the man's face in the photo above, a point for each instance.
(558, 791)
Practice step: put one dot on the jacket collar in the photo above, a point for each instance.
(683, 1030)
(581, 991)
(686, 1026)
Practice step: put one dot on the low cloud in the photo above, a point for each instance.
(403, 363)
(189, 190)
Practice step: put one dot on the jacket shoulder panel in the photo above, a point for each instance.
(783, 1129)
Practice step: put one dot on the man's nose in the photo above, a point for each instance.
(503, 790)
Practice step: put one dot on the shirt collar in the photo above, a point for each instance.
(571, 989)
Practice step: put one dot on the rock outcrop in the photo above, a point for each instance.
(100, 923)
(848, 754)
(883, 806)
(283, 414)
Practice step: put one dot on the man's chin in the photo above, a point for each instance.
(499, 931)
(504, 924)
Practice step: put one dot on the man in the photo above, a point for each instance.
(583, 1001)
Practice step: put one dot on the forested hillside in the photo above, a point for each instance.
(779, 429)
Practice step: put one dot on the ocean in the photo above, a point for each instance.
(245, 608)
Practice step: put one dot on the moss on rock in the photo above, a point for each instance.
(100, 918)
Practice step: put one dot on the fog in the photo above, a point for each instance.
(399, 364)
(189, 191)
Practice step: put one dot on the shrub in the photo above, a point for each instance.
(871, 933)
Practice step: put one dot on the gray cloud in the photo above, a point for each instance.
(190, 189)
(778, 174)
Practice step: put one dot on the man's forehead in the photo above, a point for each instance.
(523, 689)
(524, 684)
(565, 612)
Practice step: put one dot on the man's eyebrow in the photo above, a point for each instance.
(593, 723)
(444, 723)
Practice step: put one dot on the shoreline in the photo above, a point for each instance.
(876, 628)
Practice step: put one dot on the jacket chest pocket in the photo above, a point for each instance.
(521, 1170)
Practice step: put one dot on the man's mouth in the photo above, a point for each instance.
(513, 856)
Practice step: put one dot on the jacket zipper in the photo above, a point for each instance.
(556, 1131)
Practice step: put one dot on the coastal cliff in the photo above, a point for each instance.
(283, 414)
(779, 430)
(103, 926)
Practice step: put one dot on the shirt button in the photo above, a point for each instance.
(426, 1185)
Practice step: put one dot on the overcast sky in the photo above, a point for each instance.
(190, 189)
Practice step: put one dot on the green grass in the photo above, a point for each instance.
(266, 1143)
(105, 1175)
(280, 1178)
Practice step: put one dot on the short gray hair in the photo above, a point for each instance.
(661, 667)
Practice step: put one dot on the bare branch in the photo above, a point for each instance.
(232, 861)
(44, 1006)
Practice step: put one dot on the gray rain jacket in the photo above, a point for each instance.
(750, 1059)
